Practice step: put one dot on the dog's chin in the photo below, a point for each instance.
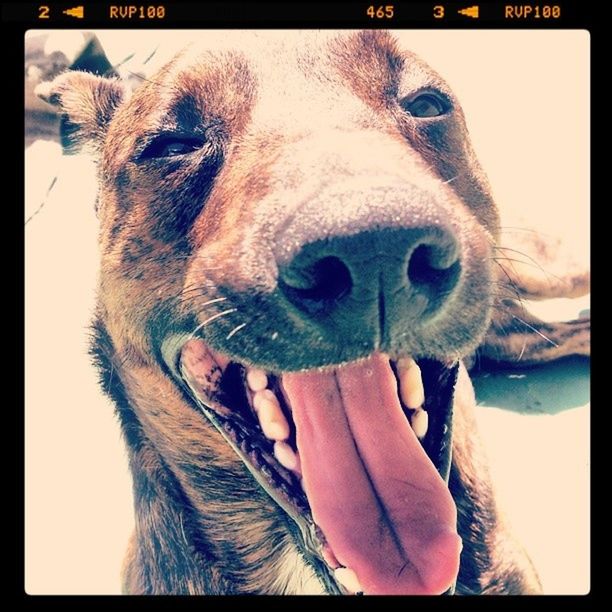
(357, 454)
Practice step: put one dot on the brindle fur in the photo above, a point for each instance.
(203, 525)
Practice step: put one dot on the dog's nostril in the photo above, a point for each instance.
(433, 271)
(326, 280)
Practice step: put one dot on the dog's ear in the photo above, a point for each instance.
(87, 103)
(537, 266)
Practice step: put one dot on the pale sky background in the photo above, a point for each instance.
(526, 98)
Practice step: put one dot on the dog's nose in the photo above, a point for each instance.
(399, 273)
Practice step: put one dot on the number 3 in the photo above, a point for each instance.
(438, 12)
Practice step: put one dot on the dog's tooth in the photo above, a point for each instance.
(261, 397)
(348, 579)
(257, 380)
(410, 383)
(286, 456)
(403, 363)
(420, 423)
(271, 418)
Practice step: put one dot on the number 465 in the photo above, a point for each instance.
(381, 12)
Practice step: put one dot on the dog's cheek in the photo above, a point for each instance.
(446, 146)
(176, 429)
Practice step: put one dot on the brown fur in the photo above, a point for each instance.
(169, 238)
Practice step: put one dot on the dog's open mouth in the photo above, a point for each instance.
(357, 454)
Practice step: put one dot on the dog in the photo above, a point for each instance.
(297, 264)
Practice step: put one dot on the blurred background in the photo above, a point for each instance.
(525, 94)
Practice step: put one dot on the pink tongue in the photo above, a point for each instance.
(384, 509)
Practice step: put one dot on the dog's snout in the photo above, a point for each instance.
(350, 277)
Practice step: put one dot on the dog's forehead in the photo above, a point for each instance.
(294, 73)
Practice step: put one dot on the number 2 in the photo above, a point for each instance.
(43, 12)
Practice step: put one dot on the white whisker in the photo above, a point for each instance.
(221, 299)
(537, 331)
(235, 330)
(211, 319)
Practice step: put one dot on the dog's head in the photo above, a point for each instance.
(296, 239)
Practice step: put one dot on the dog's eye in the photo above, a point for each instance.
(425, 105)
(171, 146)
